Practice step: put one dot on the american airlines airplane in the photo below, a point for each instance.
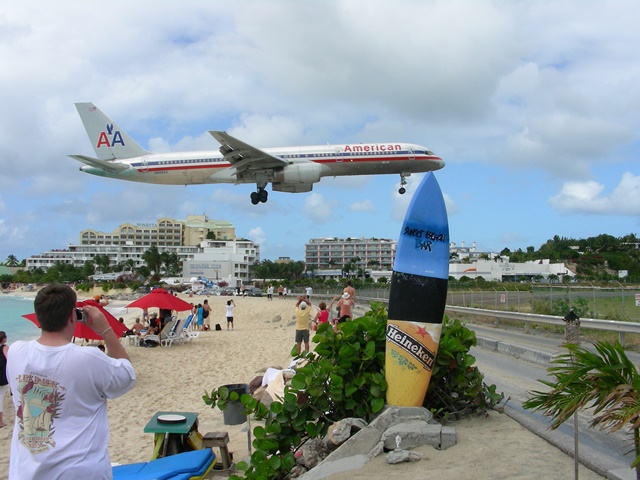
(288, 169)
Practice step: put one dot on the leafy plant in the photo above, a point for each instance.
(457, 387)
(344, 377)
(606, 381)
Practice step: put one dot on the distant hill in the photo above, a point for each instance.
(593, 258)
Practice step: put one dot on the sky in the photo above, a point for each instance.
(534, 107)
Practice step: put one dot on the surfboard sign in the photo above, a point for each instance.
(418, 296)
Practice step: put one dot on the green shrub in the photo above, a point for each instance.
(344, 377)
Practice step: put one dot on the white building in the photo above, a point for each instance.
(497, 270)
(332, 253)
(221, 258)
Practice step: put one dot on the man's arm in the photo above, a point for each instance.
(99, 324)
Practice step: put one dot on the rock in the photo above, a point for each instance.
(412, 434)
(401, 456)
(341, 431)
(297, 471)
(313, 452)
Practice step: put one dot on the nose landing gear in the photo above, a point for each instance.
(403, 182)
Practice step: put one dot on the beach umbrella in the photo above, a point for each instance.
(160, 298)
(82, 330)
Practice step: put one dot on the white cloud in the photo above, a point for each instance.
(319, 208)
(585, 197)
(257, 235)
(363, 206)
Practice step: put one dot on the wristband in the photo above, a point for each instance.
(102, 334)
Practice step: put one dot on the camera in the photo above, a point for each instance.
(81, 316)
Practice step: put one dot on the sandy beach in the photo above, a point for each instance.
(175, 378)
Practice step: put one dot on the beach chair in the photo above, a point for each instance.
(195, 465)
(163, 334)
(187, 334)
(174, 335)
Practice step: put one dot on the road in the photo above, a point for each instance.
(600, 451)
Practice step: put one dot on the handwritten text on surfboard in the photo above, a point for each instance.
(424, 238)
(411, 346)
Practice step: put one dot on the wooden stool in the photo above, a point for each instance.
(220, 440)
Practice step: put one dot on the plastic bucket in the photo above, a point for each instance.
(234, 413)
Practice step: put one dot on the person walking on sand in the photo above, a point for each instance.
(280, 292)
(4, 384)
(270, 292)
(303, 313)
(60, 393)
(230, 308)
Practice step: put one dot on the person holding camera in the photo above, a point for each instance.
(60, 392)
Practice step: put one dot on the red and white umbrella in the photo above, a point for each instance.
(160, 298)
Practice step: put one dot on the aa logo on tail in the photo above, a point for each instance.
(110, 138)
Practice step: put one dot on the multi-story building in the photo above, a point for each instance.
(222, 260)
(374, 258)
(165, 232)
(363, 253)
(197, 240)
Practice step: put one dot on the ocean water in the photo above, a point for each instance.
(11, 320)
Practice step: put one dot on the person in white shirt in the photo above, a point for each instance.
(230, 307)
(60, 393)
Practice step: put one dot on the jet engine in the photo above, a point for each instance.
(298, 173)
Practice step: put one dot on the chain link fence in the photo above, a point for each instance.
(588, 302)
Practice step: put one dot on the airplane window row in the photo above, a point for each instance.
(303, 155)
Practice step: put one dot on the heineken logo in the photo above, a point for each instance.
(410, 345)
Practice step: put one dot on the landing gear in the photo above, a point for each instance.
(403, 182)
(260, 196)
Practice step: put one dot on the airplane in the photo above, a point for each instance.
(288, 169)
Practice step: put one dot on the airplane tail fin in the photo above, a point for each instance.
(109, 141)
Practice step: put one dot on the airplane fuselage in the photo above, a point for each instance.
(187, 168)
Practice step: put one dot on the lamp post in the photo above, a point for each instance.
(572, 335)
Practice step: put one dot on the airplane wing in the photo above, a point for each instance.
(244, 157)
(103, 164)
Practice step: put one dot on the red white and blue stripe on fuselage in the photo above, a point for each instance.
(335, 160)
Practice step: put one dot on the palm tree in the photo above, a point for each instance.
(152, 259)
(12, 261)
(102, 262)
(606, 381)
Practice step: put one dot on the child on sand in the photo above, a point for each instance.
(321, 317)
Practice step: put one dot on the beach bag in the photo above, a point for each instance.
(150, 343)
(218, 327)
(205, 314)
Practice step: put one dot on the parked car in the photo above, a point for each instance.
(228, 291)
(253, 291)
(211, 291)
